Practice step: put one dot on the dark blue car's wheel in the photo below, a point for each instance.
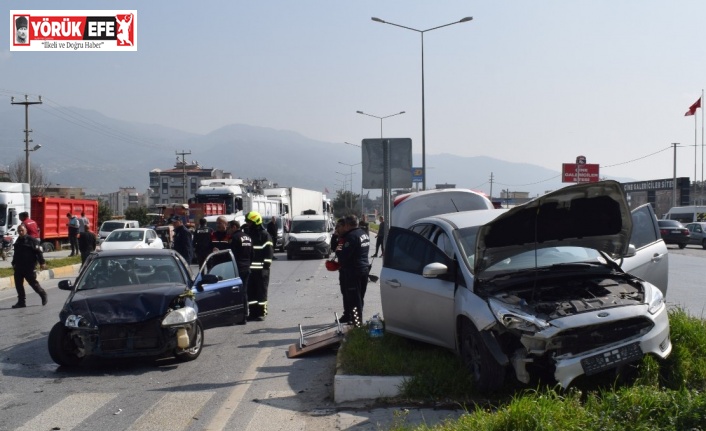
(193, 352)
(61, 348)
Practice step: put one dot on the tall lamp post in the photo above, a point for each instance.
(345, 186)
(379, 118)
(361, 186)
(421, 32)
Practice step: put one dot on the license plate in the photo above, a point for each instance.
(307, 248)
(676, 232)
(611, 359)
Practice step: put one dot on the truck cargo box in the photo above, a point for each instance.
(50, 215)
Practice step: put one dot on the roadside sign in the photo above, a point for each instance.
(579, 173)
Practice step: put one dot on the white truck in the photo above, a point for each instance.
(238, 201)
(293, 202)
(14, 199)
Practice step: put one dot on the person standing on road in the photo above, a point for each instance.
(182, 240)
(260, 267)
(363, 224)
(380, 239)
(272, 230)
(87, 242)
(31, 225)
(82, 223)
(337, 244)
(73, 225)
(241, 246)
(202, 241)
(220, 238)
(27, 253)
(352, 254)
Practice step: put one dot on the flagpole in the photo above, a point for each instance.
(701, 194)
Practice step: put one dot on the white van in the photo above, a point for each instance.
(686, 214)
(309, 235)
(108, 226)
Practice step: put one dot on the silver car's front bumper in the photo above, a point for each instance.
(569, 366)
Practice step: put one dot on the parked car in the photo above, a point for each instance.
(673, 232)
(145, 303)
(108, 226)
(131, 238)
(543, 288)
(697, 233)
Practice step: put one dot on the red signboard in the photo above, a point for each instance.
(573, 173)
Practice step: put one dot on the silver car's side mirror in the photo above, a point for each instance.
(632, 251)
(434, 270)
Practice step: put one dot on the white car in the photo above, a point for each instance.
(568, 284)
(131, 238)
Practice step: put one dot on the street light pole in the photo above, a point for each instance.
(361, 186)
(421, 32)
(26, 103)
(379, 118)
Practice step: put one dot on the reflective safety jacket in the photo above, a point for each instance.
(262, 249)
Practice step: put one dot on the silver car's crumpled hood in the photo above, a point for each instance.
(124, 304)
(592, 215)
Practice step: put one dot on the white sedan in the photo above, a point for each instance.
(131, 238)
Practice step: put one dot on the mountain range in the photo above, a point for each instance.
(84, 148)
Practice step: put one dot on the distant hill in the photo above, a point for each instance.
(84, 148)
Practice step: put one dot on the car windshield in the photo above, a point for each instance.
(527, 259)
(125, 236)
(109, 271)
(303, 226)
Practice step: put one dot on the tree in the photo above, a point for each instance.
(17, 175)
(104, 212)
(139, 214)
(346, 203)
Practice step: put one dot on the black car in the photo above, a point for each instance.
(145, 303)
(673, 232)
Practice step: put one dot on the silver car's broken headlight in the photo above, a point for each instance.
(653, 298)
(514, 318)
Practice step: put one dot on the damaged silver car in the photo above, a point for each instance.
(568, 284)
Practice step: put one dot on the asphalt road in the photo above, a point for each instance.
(243, 379)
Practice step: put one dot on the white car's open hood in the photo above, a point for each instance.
(592, 215)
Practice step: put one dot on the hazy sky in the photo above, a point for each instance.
(539, 82)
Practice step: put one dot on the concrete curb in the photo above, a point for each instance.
(48, 274)
(350, 387)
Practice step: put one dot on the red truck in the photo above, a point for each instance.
(50, 215)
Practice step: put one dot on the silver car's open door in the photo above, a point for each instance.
(650, 261)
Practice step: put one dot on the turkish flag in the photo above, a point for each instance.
(693, 108)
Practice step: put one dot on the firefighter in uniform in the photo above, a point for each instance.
(202, 241)
(262, 252)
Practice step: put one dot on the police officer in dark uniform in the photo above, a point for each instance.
(27, 253)
(352, 254)
(183, 243)
(202, 241)
(262, 252)
(241, 246)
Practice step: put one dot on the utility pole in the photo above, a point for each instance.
(491, 186)
(674, 178)
(183, 170)
(26, 103)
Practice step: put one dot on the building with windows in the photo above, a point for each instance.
(179, 184)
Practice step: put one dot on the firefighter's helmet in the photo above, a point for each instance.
(254, 217)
